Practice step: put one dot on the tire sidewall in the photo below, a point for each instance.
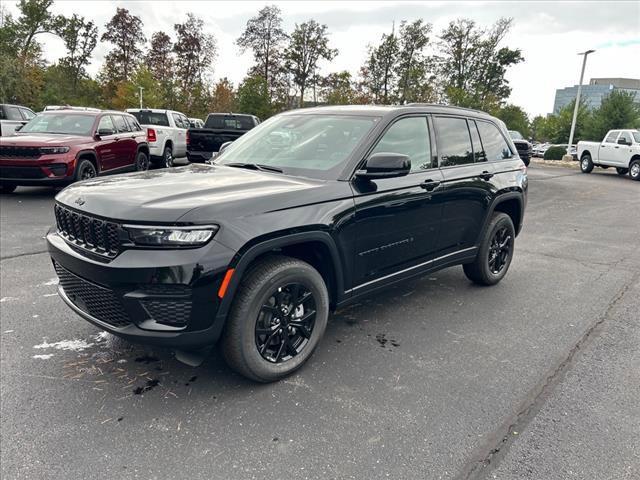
(589, 164)
(631, 169)
(165, 162)
(247, 314)
(140, 155)
(83, 165)
(501, 221)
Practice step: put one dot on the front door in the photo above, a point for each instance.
(607, 154)
(106, 146)
(397, 219)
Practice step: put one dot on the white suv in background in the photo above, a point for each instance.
(166, 133)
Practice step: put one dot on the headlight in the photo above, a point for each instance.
(171, 236)
(49, 150)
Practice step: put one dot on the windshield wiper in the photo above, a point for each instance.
(255, 166)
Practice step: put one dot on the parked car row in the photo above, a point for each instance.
(64, 144)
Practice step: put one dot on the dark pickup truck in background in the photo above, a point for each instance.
(219, 128)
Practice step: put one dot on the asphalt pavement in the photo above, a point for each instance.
(537, 377)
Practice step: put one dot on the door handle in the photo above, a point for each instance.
(486, 175)
(429, 184)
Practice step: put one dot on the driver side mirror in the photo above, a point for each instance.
(623, 141)
(385, 165)
(18, 128)
(105, 132)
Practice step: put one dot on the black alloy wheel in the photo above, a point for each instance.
(500, 250)
(86, 170)
(142, 162)
(285, 323)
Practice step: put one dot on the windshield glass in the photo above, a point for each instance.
(60, 123)
(308, 145)
(636, 136)
(516, 135)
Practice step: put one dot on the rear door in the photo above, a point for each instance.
(126, 145)
(397, 219)
(467, 182)
(607, 153)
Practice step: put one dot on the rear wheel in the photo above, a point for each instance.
(634, 170)
(167, 157)
(7, 188)
(142, 162)
(622, 171)
(586, 164)
(495, 254)
(277, 319)
(86, 170)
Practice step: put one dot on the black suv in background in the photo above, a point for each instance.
(305, 213)
(219, 129)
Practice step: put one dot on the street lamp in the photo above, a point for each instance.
(142, 88)
(575, 108)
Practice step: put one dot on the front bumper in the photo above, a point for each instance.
(44, 170)
(160, 297)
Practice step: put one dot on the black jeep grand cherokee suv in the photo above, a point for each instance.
(309, 211)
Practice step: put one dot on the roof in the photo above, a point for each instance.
(381, 110)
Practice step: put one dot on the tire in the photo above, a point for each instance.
(586, 164)
(258, 341)
(604, 167)
(7, 188)
(491, 265)
(622, 171)
(167, 157)
(634, 170)
(142, 162)
(86, 170)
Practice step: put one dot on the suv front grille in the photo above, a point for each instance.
(7, 151)
(99, 302)
(93, 234)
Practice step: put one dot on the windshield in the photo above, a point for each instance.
(151, 118)
(60, 123)
(516, 135)
(308, 145)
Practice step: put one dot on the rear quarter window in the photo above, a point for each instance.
(494, 143)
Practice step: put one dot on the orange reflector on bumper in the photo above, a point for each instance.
(225, 282)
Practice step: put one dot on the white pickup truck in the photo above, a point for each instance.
(166, 133)
(13, 116)
(619, 149)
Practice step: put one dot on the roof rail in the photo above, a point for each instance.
(442, 105)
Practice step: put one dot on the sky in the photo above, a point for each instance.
(550, 34)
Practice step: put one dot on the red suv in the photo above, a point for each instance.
(59, 147)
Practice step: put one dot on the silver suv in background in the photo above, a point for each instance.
(166, 133)
(13, 116)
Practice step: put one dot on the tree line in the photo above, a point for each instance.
(465, 64)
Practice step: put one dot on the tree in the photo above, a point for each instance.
(412, 65)
(253, 97)
(617, 110)
(224, 98)
(125, 32)
(473, 66)
(35, 18)
(339, 89)
(161, 63)
(309, 44)
(379, 72)
(80, 38)
(515, 118)
(128, 93)
(195, 51)
(264, 35)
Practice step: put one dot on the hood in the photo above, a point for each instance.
(44, 140)
(164, 196)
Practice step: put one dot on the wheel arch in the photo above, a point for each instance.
(316, 248)
(586, 152)
(512, 204)
(87, 155)
(633, 159)
(143, 147)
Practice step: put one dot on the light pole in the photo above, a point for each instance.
(142, 88)
(575, 108)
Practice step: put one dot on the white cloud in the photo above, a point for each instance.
(549, 34)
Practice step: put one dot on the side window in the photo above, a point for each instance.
(106, 124)
(12, 113)
(121, 125)
(627, 137)
(611, 138)
(495, 145)
(185, 122)
(27, 114)
(408, 136)
(132, 124)
(479, 154)
(454, 142)
(178, 120)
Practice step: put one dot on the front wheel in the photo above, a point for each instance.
(86, 170)
(622, 171)
(496, 252)
(634, 170)
(277, 319)
(586, 164)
